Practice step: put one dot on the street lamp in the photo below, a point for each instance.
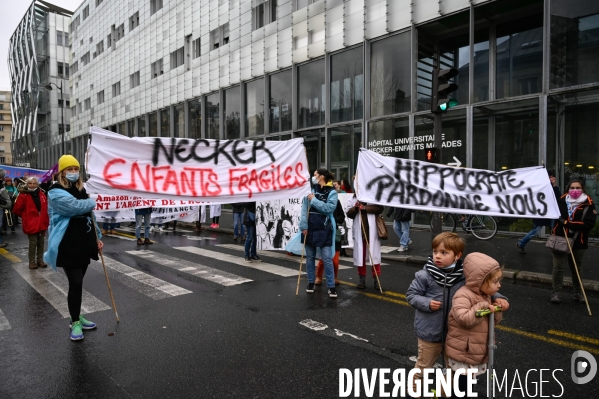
(64, 128)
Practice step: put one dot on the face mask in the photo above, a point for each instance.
(31, 189)
(72, 177)
(450, 267)
(314, 180)
(574, 194)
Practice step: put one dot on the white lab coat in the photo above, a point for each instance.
(215, 210)
(202, 213)
(373, 237)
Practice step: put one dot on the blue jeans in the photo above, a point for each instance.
(238, 221)
(402, 229)
(146, 218)
(108, 226)
(250, 241)
(327, 259)
(530, 235)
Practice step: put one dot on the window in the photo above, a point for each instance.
(153, 128)
(133, 21)
(155, 5)
(59, 38)
(195, 119)
(75, 23)
(165, 122)
(60, 102)
(254, 108)
(101, 97)
(98, 2)
(219, 36)
(212, 116)
(109, 40)
(61, 127)
(60, 69)
(116, 89)
(157, 68)
(134, 80)
(264, 13)
(141, 127)
(86, 12)
(120, 32)
(63, 70)
(231, 112)
(2, 160)
(74, 110)
(177, 58)
(75, 67)
(280, 101)
(347, 86)
(131, 127)
(88, 103)
(99, 48)
(311, 94)
(179, 122)
(85, 59)
(196, 48)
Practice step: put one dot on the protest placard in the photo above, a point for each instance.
(215, 171)
(424, 186)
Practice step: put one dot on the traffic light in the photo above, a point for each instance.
(442, 88)
(430, 155)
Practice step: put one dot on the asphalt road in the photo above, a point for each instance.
(196, 321)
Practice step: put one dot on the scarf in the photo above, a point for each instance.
(574, 203)
(442, 277)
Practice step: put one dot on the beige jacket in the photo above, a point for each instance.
(467, 337)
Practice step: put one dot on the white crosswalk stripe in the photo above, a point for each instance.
(4, 324)
(54, 286)
(193, 268)
(262, 266)
(150, 286)
(120, 237)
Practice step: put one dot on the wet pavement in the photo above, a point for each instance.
(198, 322)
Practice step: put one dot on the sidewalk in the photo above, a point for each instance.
(535, 266)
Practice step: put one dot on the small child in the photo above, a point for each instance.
(432, 290)
(467, 338)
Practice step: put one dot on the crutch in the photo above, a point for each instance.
(577, 273)
(491, 345)
(106, 275)
(370, 253)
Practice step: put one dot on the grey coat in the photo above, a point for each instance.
(427, 323)
(6, 197)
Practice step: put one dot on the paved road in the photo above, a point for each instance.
(196, 321)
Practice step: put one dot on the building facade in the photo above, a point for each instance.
(38, 62)
(346, 74)
(5, 128)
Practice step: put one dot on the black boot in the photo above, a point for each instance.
(362, 284)
(376, 284)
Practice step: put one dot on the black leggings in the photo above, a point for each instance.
(215, 219)
(75, 277)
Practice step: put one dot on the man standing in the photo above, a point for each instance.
(401, 226)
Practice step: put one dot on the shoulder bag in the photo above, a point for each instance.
(559, 244)
(381, 228)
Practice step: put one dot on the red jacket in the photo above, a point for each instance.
(33, 221)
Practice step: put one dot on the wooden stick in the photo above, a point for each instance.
(106, 275)
(299, 274)
(370, 253)
(577, 273)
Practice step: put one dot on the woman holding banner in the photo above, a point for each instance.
(578, 216)
(72, 240)
(318, 228)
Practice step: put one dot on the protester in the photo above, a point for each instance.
(366, 241)
(144, 214)
(215, 211)
(5, 202)
(540, 224)
(251, 240)
(317, 225)
(32, 207)
(72, 239)
(466, 346)
(578, 215)
(345, 186)
(337, 185)
(401, 226)
(12, 194)
(238, 220)
(339, 217)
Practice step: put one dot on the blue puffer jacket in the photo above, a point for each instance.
(320, 224)
(62, 206)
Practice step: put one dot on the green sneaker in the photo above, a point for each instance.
(76, 331)
(85, 324)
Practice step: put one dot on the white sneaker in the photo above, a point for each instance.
(402, 248)
(160, 229)
(151, 229)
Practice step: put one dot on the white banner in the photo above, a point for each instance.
(121, 202)
(185, 213)
(424, 186)
(277, 221)
(215, 171)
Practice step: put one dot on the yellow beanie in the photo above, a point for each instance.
(66, 161)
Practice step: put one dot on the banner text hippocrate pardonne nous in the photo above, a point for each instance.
(218, 171)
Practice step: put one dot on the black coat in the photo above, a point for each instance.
(400, 214)
(576, 223)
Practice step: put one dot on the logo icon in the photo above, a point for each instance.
(578, 366)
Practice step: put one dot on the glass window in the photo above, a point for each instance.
(481, 66)
(131, 128)
(390, 80)
(154, 124)
(123, 128)
(232, 112)
(254, 107)
(347, 85)
(179, 120)
(519, 55)
(195, 119)
(345, 146)
(455, 53)
(311, 93)
(280, 101)
(212, 116)
(391, 137)
(574, 43)
(141, 127)
(314, 148)
(165, 123)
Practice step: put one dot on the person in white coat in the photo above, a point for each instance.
(362, 212)
(215, 212)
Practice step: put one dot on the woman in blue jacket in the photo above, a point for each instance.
(318, 227)
(72, 240)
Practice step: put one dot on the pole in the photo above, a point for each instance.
(584, 294)
(438, 127)
(106, 273)
(64, 128)
(369, 251)
(492, 348)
